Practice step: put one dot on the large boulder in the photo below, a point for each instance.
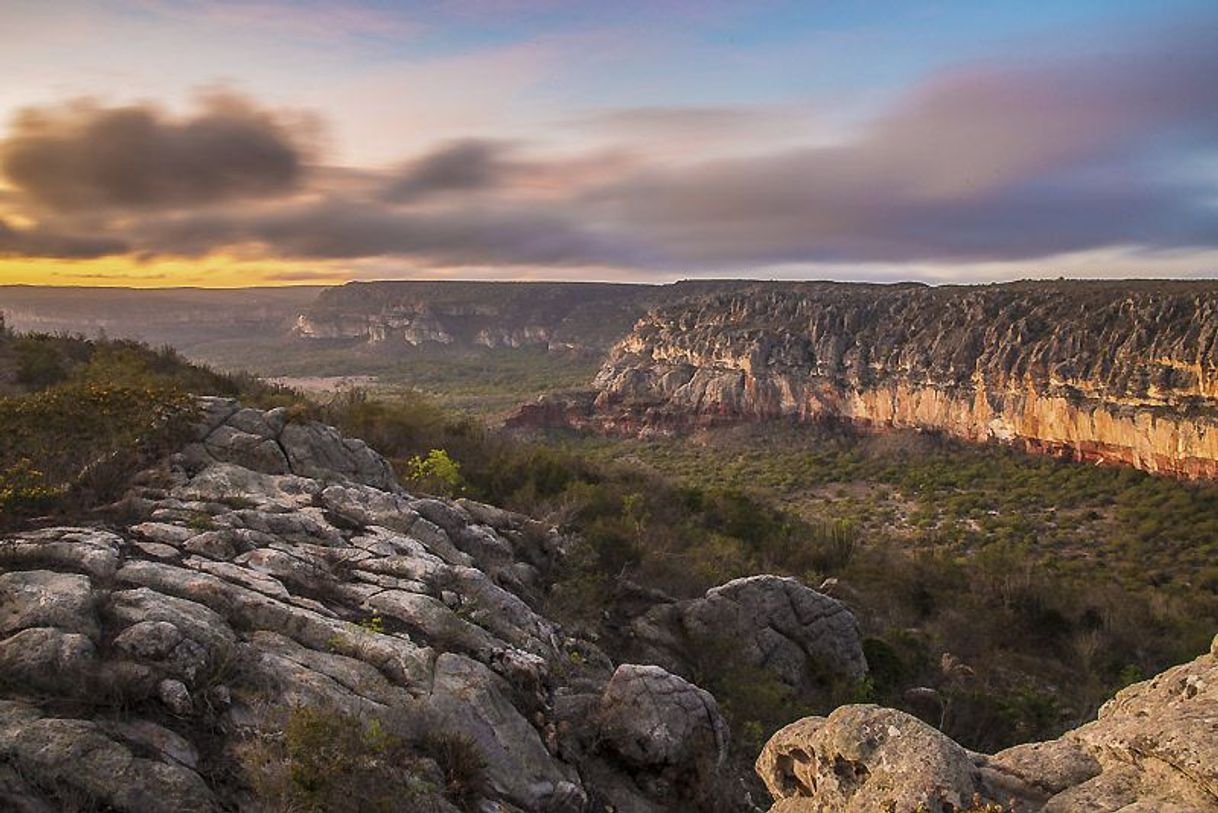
(654, 718)
(862, 759)
(668, 732)
(800, 636)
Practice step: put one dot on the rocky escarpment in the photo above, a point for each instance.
(550, 316)
(1121, 372)
(1154, 747)
(273, 565)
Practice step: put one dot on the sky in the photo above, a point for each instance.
(265, 142)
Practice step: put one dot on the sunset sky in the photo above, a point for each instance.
(169, 142)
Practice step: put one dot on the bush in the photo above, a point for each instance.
(325, 761)
(435, 474)
(84, 438)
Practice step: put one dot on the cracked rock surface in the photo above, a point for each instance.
(272, 564)
(778, 624)
(1154, 747)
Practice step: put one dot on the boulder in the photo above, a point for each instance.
(862, 759)
(800, 636)
(655, 719)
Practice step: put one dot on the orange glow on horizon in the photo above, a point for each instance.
(213, 271)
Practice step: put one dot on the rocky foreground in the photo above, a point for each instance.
(1153, 748)
(1120, 372)
(273, 566)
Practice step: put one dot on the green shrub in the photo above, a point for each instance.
(437, 473)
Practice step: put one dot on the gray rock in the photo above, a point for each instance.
(149, 640)
(175, 696)
(470, 699)
(163, 532)
(42, 598)
(253, 451)
(320, 452)
(78, 754)
(654, 719)
(48, 658)
(778, 624)
(214, 411)
(84, 550)
(256, 422)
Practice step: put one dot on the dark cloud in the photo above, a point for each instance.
(344, 229)
(85, 156)
(41, 243)
(462, 166)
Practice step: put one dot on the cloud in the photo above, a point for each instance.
(37, 242)
(980, 162)
(84, 156)
(345, 229)
(461, 166)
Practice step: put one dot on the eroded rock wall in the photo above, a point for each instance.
(1114, 372)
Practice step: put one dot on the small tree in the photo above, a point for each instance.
(435, 474)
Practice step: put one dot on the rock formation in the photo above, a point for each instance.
(550, 316)
(1120, 372)
(800, 636)
(272, 565)
(1153, 747)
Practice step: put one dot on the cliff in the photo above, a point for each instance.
(1110, 372)
(552, 316)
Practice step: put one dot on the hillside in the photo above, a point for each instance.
(207, 606)
(276, 624)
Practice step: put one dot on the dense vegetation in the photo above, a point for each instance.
(479, 380)
(80, 416)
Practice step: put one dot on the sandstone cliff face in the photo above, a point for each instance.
(1105, 372)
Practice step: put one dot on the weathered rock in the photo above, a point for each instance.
(469, 698)
(84, 550)
(865, 758)
(320, 452)
(800, 636)
(258, 452)
(654, 719)
(43, 598)
(48, 658)
(78, 754)
(1153, 747)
